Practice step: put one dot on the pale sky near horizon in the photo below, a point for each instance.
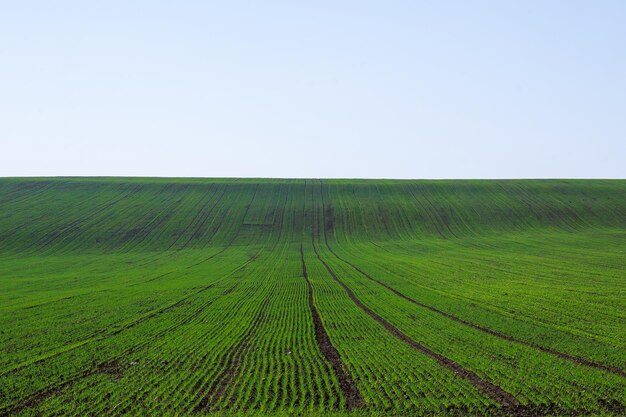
(357, 89)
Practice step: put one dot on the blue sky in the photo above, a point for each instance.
(371, 89)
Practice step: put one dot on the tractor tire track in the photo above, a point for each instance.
(49, 239)
(197, 232)
(194, 220)
(28, 193)
(576, 359)
(427, 212)
(132, 324)
(493, 391)
(232, 240)
(110, 366)
(36, 398)
(231, 363)
(347, 385)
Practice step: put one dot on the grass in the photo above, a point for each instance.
(175, 297)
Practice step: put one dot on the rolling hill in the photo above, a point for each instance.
(175, 297)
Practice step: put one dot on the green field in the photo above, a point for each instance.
(176, 297)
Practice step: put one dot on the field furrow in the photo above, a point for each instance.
(221, 297)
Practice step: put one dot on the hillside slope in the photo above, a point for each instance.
(140, 296)
(138, 214)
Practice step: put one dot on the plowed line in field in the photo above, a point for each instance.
(493, 391)
(228, 245)
(156, 223)
(194, 220)
(256, 189)
(221, 223)
(427, 212)
(48, 240)
(131, 324)
(27, 195)
(40, 396)
(196, 233)
(353, 396)
(562, 355)
(231, 363)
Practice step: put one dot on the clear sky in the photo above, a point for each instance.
(392, 89)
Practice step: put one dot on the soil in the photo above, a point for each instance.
(562, 355)
(492, 390)
(350, 391)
